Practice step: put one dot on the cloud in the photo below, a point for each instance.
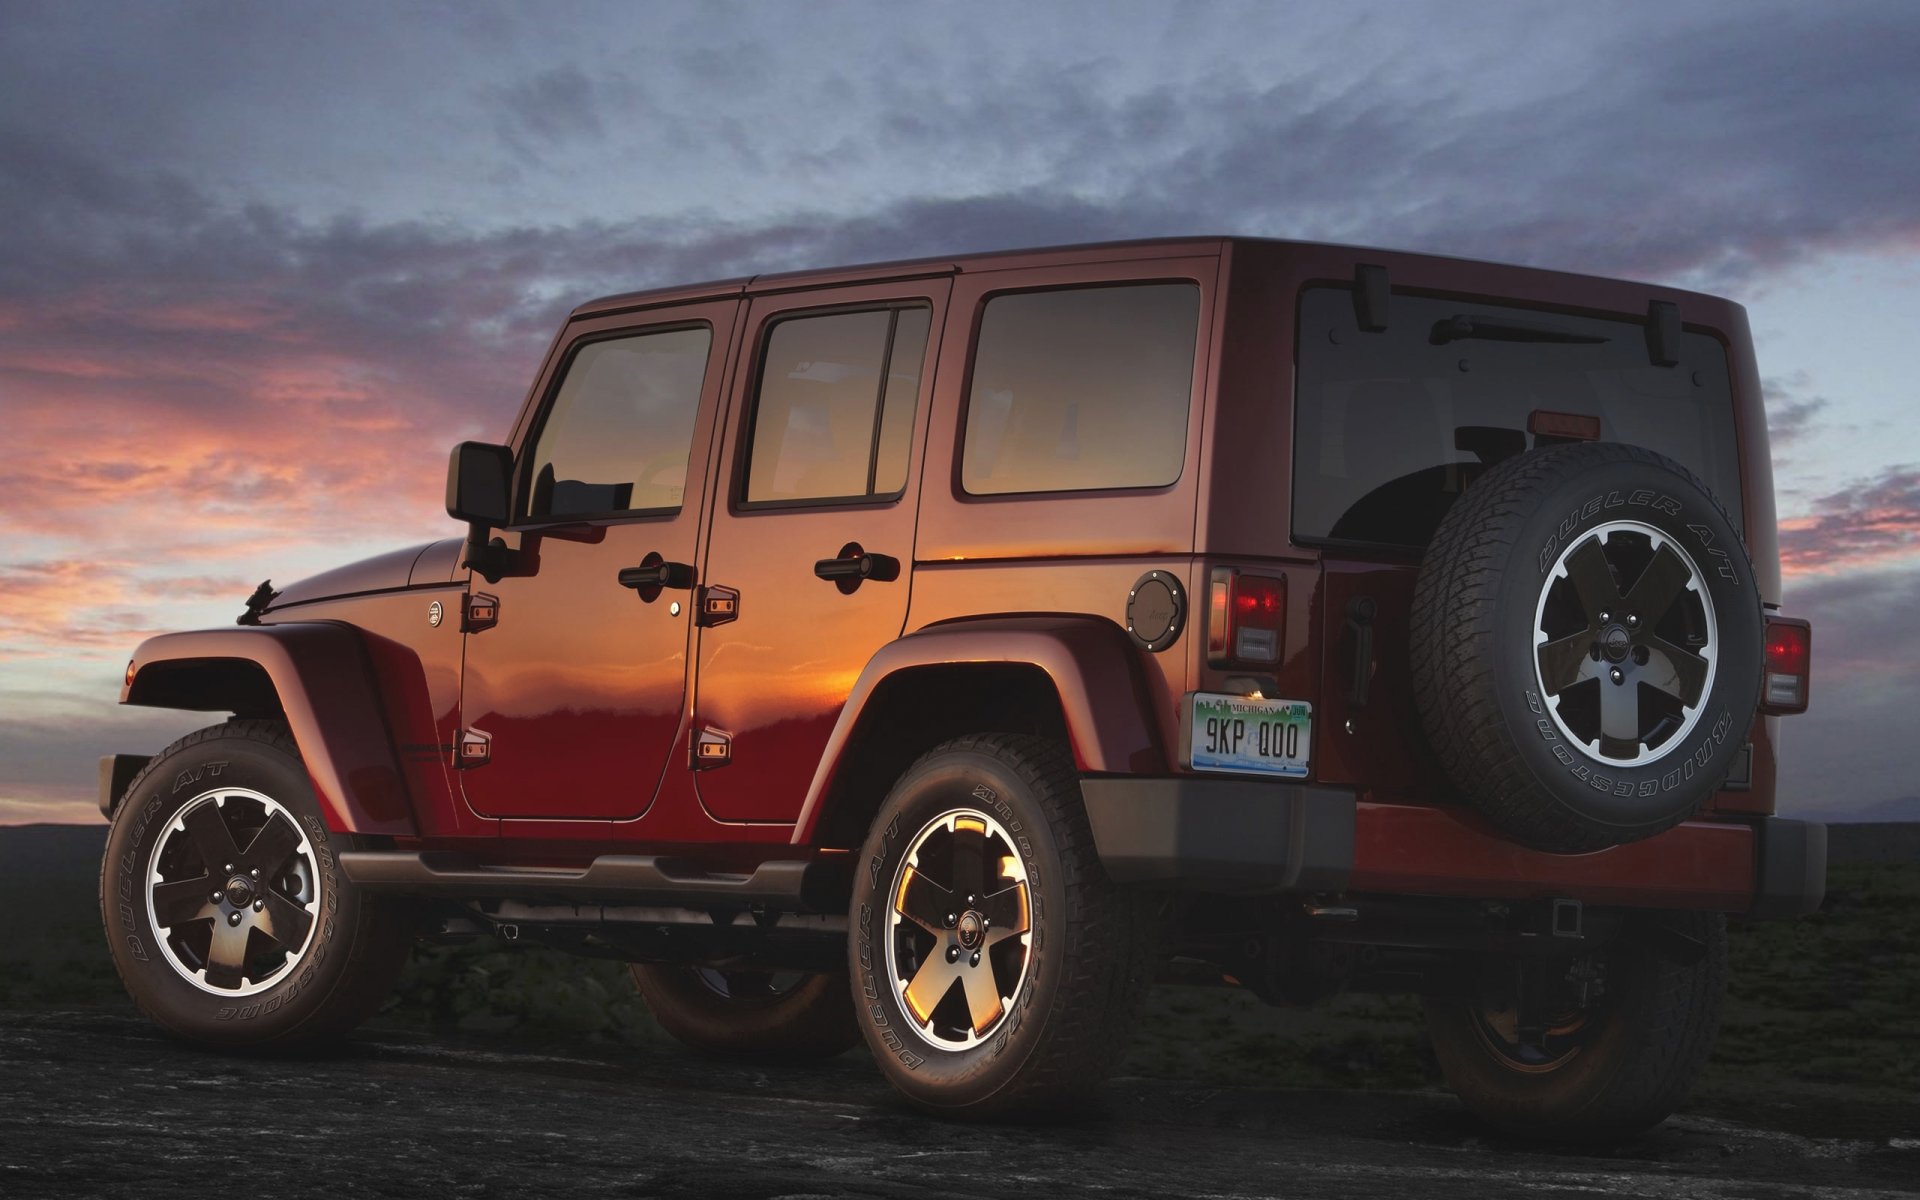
(1790, 411)
(1843, 754)
(207, 381)
(1872, 524)
(50, 757)
(558, 105)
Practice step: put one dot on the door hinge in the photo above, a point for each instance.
(479, 611)
(718, 605)
(473, 749)
(711, 748)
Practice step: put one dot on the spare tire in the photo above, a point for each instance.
(1587, 645)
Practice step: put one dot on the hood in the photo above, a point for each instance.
(382, 572)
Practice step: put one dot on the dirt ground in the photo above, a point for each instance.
(100, 1104)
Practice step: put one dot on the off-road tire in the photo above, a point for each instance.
(359, 942)
(1498, 740)
(813, 1019)
(1089, 942)
(1655, 1027)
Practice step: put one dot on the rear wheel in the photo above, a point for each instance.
(998, 968)
(227, 916)
(751, 1014)
(1592, 1049)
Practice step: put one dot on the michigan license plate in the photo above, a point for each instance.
(1239, 733)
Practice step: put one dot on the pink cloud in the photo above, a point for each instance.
(1875, 524)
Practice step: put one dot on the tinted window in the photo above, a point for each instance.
(832, 419)
(618, 434)
(1391, 427)
(1081, 389)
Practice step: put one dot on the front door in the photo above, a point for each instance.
(812, 542)
(572, 695)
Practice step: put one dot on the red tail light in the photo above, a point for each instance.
(1789, 665)
(1246, 615)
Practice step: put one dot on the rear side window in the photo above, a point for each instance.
(618, 433)
(1081, 389)
(834, 413)
(1391, 427)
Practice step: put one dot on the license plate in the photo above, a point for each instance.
(1239, 733)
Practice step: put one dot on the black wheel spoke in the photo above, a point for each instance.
(1007, 912)
(1566, 662)
(969, 857)
(924, 902)
(1659, 585)
(227, 954)
(284, 921)
(1675, 670)
(183, 901)
(272, 846)
(211, 837)
(1593, 580)
(1620, 716)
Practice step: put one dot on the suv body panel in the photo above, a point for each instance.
(580, 684)
(773, 677)
(1088, 662)
(1038, 580)
(316, 674)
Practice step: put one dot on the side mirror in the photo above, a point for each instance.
(480, 492)
(480, 484)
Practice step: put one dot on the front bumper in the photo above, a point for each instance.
(1246, 836)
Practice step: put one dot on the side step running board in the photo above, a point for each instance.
(795, 886)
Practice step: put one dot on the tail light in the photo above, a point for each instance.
(1789, 665)
(1246, 615)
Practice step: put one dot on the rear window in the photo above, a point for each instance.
(1391, 427)
(1081, 389)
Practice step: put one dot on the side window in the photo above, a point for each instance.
(617, 436)
(1081, 389)
(834, 413)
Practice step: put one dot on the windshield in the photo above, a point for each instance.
(1390, 427)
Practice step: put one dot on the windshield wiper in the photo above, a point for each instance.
(1464, 326)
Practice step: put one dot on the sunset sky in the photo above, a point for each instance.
(261, 264)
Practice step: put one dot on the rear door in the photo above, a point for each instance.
(821, 471)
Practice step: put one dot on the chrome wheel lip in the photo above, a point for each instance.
(947, 822)
(1709, 652)
(163, 934)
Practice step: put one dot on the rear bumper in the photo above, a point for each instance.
(1257, 837)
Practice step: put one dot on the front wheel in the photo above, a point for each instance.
(1594, 1049)
(226, 912)
(995, 965)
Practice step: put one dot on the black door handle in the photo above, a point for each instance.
(852, 566)
(1360, 613)
(657, 574)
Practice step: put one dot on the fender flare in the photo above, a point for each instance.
(320, 677)
(1094, 669)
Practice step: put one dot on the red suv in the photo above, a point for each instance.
(926, 652)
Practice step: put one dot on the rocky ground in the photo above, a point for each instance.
(98, 1104)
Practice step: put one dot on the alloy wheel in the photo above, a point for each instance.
(959, 921)
(1625, 643)
(233, 892)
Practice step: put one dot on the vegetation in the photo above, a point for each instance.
(1820, 1022)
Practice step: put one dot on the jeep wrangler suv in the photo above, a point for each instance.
(928, 653)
